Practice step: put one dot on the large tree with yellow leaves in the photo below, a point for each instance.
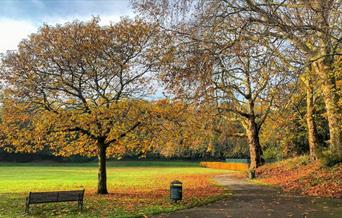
(76, 88)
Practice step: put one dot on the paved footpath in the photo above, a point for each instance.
(258, 201)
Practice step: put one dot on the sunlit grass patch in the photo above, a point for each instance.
(136, 188)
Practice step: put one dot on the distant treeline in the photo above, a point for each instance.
(48, 156)
(40, 156)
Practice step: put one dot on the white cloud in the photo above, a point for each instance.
(12, 32)
(104, 20)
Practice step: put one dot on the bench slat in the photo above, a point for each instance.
(40, 197)
(69, 196)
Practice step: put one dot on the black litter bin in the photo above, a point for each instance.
(176, 191)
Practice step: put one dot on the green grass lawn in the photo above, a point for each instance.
(136, 188)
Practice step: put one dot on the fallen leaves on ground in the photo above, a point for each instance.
(310, 178)
(196, 188)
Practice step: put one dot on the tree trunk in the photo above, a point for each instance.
(102, 175)
(254, 144)
(331, 104)
(310, 121)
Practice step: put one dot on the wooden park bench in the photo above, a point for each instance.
(60, 196)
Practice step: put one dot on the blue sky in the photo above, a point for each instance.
(19, 18)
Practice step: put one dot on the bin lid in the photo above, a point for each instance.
(176, 182)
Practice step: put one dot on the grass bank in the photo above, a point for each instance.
(302, 176)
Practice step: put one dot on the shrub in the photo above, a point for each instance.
(329, 159)
(304, 160)
(272, 153)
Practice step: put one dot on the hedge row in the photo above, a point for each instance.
(225, 166)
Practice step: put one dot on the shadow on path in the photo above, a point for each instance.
(257, 201)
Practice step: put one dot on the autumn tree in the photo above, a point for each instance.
(211, 59)
(292, 119)
(80, 84)
(309, 28)
(310, 116)
(242, 79)
(294, 60)
(312, 28)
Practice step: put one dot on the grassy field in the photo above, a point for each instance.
(137, 188)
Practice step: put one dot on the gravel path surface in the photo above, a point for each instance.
(258, 201)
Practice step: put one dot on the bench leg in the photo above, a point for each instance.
(80, 205)
(27, 207)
